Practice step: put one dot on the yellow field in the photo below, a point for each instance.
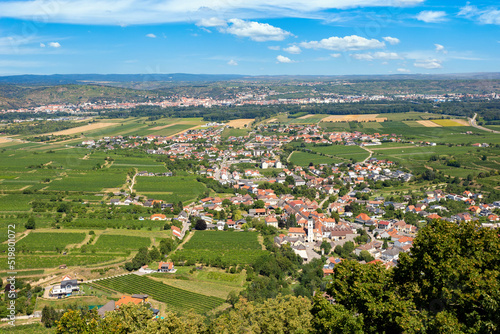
(4, 140)
(429, 124)
(451, 122)
(271, 120)
(306, 116)
(241, 123)
(354, 118)
(85, 128)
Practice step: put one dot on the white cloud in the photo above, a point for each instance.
(403, 70)
(42, 45)
(211, 22)
(386, 55)
(259, 32)
(428, 63)
(151, 35)
(283, 59)
(440, 48)
(54, 45)
(131, 12)
(336, 55)
(483, 16)
(430, 16)
(232, 62)
(362, 56)
(376, 55)
(293, 49)
(350, 43)
(391, 40)
(274, 47)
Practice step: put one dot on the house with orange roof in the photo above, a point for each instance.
(166, 267)
(176, 231)
(296, 232)
(158, 216)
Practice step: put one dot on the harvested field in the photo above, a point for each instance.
(306, 116)
(354, 118)
(160, 127)
(240, 123)
(85, 128)
(429, 124)
(272, 120)
(182, 131)
(451, 122)
(4, 140)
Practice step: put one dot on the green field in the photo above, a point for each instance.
(304, 159)
(342, 151)
(170, 189)
(49, 242)
(220, 248)
(175, 298)
(231, 132)
(46, 262)
(118, 243)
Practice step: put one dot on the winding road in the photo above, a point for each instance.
(472, 122)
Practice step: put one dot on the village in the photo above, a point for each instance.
(339, 208)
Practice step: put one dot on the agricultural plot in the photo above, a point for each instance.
(234, 133)
(240, 123)
(451, 122)
(304, 159)
(102, 224)
(175, 298)
(49, 242)
(307, 119)
(342, 151)
(93, 181)
(120, 243)
(355, 118)
(417, 158)
(220, 248)
(171, 188)
(46, 261)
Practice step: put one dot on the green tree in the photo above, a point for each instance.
(200, 225)
(334, 318)
(30, 224)
(455, 269)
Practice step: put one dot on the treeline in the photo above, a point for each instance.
(488, 110)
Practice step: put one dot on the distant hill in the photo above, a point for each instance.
(65, 79)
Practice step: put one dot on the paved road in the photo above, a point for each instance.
(472, 122)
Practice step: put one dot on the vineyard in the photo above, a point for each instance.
(178, 299)
(120, 242)
(220, 249)
(49, 242)
(45, 262)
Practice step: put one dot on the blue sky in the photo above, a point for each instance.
(254, 37)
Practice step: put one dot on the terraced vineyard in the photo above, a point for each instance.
(178, 299)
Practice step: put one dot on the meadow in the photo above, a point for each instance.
(176, 299)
